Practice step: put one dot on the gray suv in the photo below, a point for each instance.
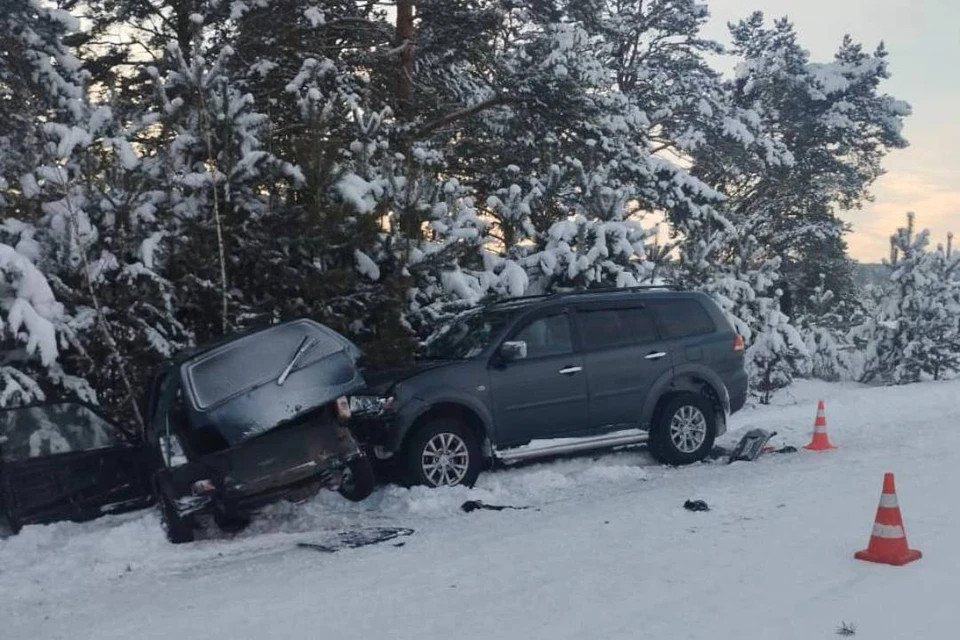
(558, 374)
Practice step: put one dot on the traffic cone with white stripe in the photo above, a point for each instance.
(820, 441)
(888, 541)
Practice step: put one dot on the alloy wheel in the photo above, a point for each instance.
(445, 460)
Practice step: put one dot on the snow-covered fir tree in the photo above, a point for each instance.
(778, 352)
(833, 126)
(912, 331)
(824, 329)
(41, 104)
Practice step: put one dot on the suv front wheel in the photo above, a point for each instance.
(444, 453)
(684, 430)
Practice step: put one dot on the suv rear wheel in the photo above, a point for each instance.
(684, 430)
(443, 453)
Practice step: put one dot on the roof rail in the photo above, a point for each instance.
(605, 290)
(580, 292)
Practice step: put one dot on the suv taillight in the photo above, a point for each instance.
(738, 345)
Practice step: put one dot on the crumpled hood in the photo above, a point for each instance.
(380, 381)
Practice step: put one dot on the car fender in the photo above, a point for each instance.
(685, 378)
(419, 406)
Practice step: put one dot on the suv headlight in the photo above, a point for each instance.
(370, 405)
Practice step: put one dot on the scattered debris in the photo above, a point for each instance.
(696, 505)
(751, 445)
(847, 629)
(473, 505)
(358, 538)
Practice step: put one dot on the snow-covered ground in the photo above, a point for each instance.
(607, 551)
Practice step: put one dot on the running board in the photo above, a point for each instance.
(571, 445)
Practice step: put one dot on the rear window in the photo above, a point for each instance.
(609, 328)
(683, 317)
(33, 432)
(243, 364)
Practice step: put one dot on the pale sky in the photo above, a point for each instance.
(923, 40)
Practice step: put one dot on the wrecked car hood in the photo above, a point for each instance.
(379, 381)
(239, 387)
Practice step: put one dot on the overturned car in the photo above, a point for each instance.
(255, 418)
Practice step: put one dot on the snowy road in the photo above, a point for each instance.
(608, 553)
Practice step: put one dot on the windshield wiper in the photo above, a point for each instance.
(305, 345)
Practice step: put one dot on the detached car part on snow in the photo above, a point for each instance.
(65, 461)
(252, 419)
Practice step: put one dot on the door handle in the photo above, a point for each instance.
(567, 371)
(656, 355)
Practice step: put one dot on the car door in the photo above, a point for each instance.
(543, 395)
(624, 356)
(66, 462)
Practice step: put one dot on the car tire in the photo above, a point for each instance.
(444, 452)
(358, 480)
(684, 430)
(178, 529)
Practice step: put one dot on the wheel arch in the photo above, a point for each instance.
(452, 409)
(698, 380)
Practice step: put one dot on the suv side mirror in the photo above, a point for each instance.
(512, 351)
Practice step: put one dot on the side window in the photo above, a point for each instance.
(609, 328)
(683, 318)
(549, 336)
(33, 432)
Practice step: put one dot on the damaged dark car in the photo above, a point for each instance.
(230, 427)
(256, 418)
(65, 461)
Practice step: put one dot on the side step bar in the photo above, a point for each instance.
(571, 445)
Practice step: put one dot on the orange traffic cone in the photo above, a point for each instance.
(820, 441)
(888, 542)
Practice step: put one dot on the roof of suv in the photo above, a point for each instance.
(594, 295)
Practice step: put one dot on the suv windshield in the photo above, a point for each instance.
(466, 337)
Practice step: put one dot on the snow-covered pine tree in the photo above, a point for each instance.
(600, 243)
(569, 115)
(40, 92)
(86, 215)
(824, 327)
(836, 127)
(220, 188)
(101, 241)
(941, 315)
(322, 73)
(733, 267)
(777, 353)
(911, 333)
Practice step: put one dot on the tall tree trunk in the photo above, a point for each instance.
(405, 35)
(410, 221)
